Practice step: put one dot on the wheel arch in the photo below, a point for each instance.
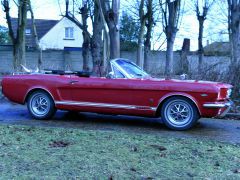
(37, 89)
(165, 98)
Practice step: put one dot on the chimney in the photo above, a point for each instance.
(186, 45)
(207, 42)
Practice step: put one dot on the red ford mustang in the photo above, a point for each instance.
(126, 90)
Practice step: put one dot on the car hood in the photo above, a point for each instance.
(185, 85)
(193, 82)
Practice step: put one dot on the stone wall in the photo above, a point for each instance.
(210, 63)
(157, 60)
(72, 60)
(51, 60)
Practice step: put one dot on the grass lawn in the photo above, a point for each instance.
(57, 153)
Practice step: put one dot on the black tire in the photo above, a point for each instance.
(179, 113)
(41, 105)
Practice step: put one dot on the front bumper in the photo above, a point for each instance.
(224, 107)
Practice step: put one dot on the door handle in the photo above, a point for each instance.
(73, 82)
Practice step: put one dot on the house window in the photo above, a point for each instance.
(69, 33)
(28, 31)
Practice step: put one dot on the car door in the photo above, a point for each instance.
(116, 96)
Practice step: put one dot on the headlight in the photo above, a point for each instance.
(229, 93)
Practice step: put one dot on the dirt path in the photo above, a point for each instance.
(216, 129)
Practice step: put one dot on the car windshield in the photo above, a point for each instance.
(131, 69)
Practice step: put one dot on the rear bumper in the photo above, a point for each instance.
(223, 107)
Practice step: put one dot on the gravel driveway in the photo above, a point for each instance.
(216, 129)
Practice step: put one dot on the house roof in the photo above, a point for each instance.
(42, 26)
(217, 48)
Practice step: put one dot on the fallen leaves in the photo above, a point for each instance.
(56, 144)
(160, 148)
(133, 169)
(236, 171)
(217, 164)
(134, 149)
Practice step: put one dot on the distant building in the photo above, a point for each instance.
(217, 49)
(2, 28)
(53, 34)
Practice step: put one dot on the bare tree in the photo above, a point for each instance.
(201, 12)
(217, 29)
(142, 19)
(35, 35)
(92, 41)
(97, 41)
(111, 15)
(151, 11)
(18, 38)
(84, 11)
(184, 53)
(145, 14)
(234, 29)
(170, 18)
(234, 36)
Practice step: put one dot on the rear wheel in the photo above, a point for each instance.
(179, 113)
(40, 105)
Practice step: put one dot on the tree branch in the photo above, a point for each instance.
(6, 7)
(75, 21)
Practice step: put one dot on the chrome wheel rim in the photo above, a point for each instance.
(179, 113)
(40, 105)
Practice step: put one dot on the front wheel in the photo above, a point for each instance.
(179, 113)
(40, 105)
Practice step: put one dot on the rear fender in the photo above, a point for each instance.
(30, 91)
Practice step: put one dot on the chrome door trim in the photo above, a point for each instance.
(105, 105)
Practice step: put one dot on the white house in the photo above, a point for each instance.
(53, 34)
(65, 34)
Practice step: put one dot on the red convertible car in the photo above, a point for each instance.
(127, 90)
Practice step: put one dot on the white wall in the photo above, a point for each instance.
(54, 39)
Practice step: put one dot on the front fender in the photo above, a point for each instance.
(188, 96)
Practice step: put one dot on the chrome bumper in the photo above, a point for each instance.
(227, 105)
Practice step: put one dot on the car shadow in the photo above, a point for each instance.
(110, 121)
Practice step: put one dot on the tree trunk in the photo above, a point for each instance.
(184, 53)
(234, 36)
(147, 43)
(200, 45)
(171, 15)
(97, 43)
(147, 50)
(39, 49)
(234, 68)
(114, 42)
(171, 34)
(140, 51)
(169, 58)
(86, 38)
(19, 40)
(86, 52)
(16, 67)
(84, 27)
(111, 16)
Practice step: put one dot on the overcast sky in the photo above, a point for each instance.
(51, 9)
